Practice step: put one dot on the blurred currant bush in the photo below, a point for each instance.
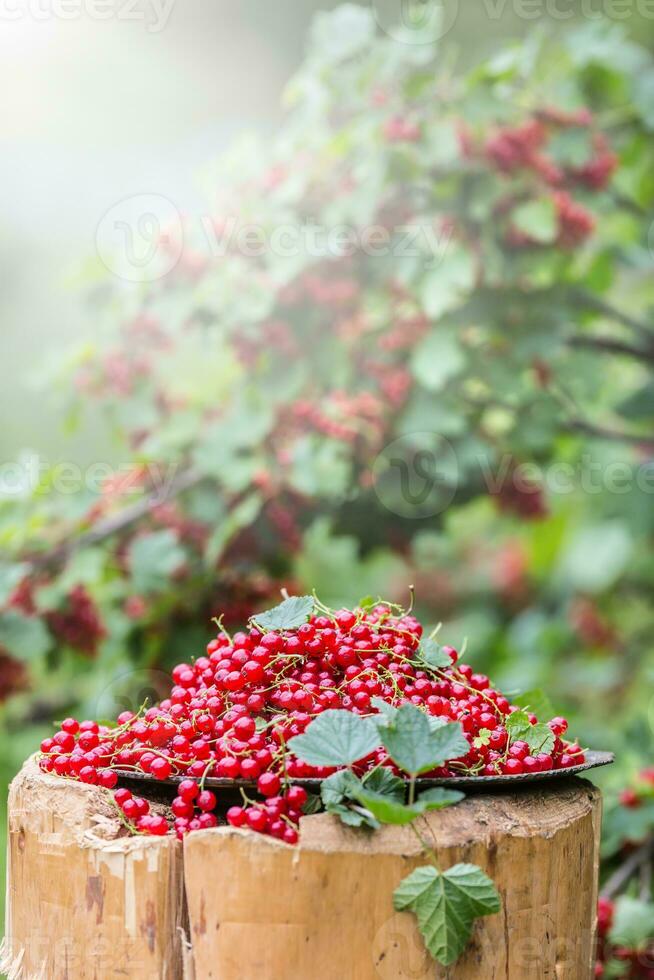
(473, 316)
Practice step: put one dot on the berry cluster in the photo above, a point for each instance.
(633, 797)
(232, 712)
(627, 962)
(78, 624)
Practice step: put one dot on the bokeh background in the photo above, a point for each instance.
(549, 589)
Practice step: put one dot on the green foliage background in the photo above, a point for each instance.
(268, 390)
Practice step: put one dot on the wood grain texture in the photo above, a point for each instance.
(260, 909)
(84, 900)
(87, 902)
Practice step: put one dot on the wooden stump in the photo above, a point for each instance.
(84, 902)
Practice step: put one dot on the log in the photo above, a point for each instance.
(260, 909)
(84, 899)
(255, 908)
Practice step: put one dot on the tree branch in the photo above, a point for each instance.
(611, 346)
(628, 868)
(591, 302)
(114, 524)
(612, 435)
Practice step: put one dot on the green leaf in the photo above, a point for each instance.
(537, 701)
(353, 816)
(446, 906)
(432, 653)
(447, 284)
(438, 797)
(415, 747)
(313, 804)
(153, 559)
(537, 219)
(538, 737)
(388, 810)
(338, 786)
(633, 923)
(288, 615)
(335, 738)
(25, 637)
(482, 739)
(596, 556)
(437, 359)
(386, 711)
(382, 780)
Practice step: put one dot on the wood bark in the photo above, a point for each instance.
(86, 902)
(258, 909)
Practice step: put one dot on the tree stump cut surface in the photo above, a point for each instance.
(86, 902)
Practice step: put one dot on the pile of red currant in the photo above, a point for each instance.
(230, 714)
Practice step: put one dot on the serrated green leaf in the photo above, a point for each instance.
(538, 737)
(482, 739)
(446, 906)
(439, 797)
(338, 786)
(382, 780)
(389, 810)
(386, 711)
(288, 615)
(313, 804)
(415, 747)
(432, 653)
(537, 701)
(24, 637)
(335, 738)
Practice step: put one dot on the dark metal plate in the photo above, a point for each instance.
(593, 760)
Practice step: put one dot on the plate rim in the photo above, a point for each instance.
(594, 760)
